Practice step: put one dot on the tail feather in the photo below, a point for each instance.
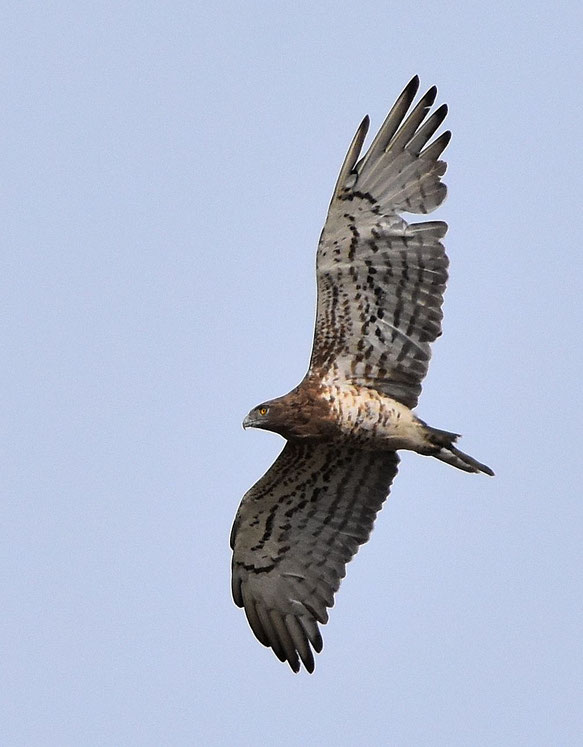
(457, 458)
(448, 453)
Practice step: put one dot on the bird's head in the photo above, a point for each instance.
(295, 415)
(268, 416)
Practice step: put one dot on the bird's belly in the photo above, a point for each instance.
(372, 418)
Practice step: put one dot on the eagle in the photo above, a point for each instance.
(380, 285)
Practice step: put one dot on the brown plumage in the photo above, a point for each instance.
(380, 290)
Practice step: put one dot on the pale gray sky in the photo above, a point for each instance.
(166, 170)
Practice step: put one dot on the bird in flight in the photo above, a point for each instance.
(380, 291)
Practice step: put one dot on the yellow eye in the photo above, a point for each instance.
(263, 410)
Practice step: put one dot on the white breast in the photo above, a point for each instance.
(369, 416)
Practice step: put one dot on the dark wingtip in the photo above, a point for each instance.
(437, 147)
(411, 88)
(294, 665)
(442, 111)
(430, 96)
(318, 644)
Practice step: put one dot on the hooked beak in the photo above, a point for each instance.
(247, 423)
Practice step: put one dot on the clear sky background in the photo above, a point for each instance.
(166, 169)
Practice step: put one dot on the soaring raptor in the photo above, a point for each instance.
(380, 291)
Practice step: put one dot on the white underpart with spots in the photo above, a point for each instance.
(361, 412)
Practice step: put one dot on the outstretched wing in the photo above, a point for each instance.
(294, 532)
(381, 279)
